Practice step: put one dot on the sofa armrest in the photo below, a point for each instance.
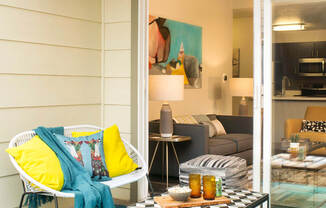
(197, 132)
(236, 124)
(292, 126)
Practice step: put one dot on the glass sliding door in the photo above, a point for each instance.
(257, 108)
(294, 103)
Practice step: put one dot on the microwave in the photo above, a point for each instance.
(311, 67)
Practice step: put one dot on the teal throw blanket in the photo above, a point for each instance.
(88, 193)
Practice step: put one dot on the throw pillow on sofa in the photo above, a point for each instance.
(116, 157)
(39, 161)
(211, 128)
(219, 127)
(185, 119)
(88, 151)
(313, 126)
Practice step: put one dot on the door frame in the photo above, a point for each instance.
(268, 91)
(142, 90)
(262, 94)
(257, 140)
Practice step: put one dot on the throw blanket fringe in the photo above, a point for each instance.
(36, 200)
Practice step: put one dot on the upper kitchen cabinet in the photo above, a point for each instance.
(304, 50)
(287, 55)
(320, 49)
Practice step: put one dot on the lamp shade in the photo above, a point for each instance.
(242, 87)
(166, 87)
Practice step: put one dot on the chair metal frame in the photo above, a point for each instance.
(31, 186)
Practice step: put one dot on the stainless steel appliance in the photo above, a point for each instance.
(312, 67)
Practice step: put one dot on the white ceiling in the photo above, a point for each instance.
(311, 13)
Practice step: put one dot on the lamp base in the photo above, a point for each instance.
(243, 107)
(166, 122)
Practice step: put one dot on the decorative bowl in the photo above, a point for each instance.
(179, 193)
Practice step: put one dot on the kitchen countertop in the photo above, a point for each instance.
(298, 98)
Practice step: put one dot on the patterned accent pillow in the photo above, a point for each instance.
(185, 119)
(88, 151)
(201, 118)
(211, 128)
(219, 127)
(314, 126)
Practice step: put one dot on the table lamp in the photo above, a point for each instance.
(166, 88)
(242, 87)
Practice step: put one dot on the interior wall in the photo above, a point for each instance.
(50, 72)
(117, 73)
(215, 18)
(243, 39)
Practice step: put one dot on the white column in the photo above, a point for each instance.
(267, 134)
(257, 96)
(143, 12)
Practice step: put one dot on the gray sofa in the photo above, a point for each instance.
(237, 142)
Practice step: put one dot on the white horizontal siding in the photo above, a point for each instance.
(22, 91)
(120, 115)
(10, 191)
(118, 91)
(117, 73)
(85, 9)
(121, 193)
(24, 58)
(23, 25)
(16, 120)
(6, 168)
(119, 37)
(118, 11)
(50, 73)
(117, 63)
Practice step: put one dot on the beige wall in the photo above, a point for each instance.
(243, 39)
(215, 18)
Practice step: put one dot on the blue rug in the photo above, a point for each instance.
(285, 195)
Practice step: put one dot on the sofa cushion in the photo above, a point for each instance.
(221, 146)
(230, 144)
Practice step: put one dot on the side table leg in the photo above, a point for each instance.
(167, 164)
(154, 154)
(175, 153)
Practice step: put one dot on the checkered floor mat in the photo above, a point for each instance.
(239, 198)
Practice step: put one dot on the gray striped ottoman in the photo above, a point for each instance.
(232, 170)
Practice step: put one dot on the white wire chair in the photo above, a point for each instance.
(32, 186)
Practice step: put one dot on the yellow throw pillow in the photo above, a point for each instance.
(117, 159)
(39, 161)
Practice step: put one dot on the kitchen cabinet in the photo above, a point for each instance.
(287, 55)
(320, 49)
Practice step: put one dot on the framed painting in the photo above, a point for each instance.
(175, 48)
